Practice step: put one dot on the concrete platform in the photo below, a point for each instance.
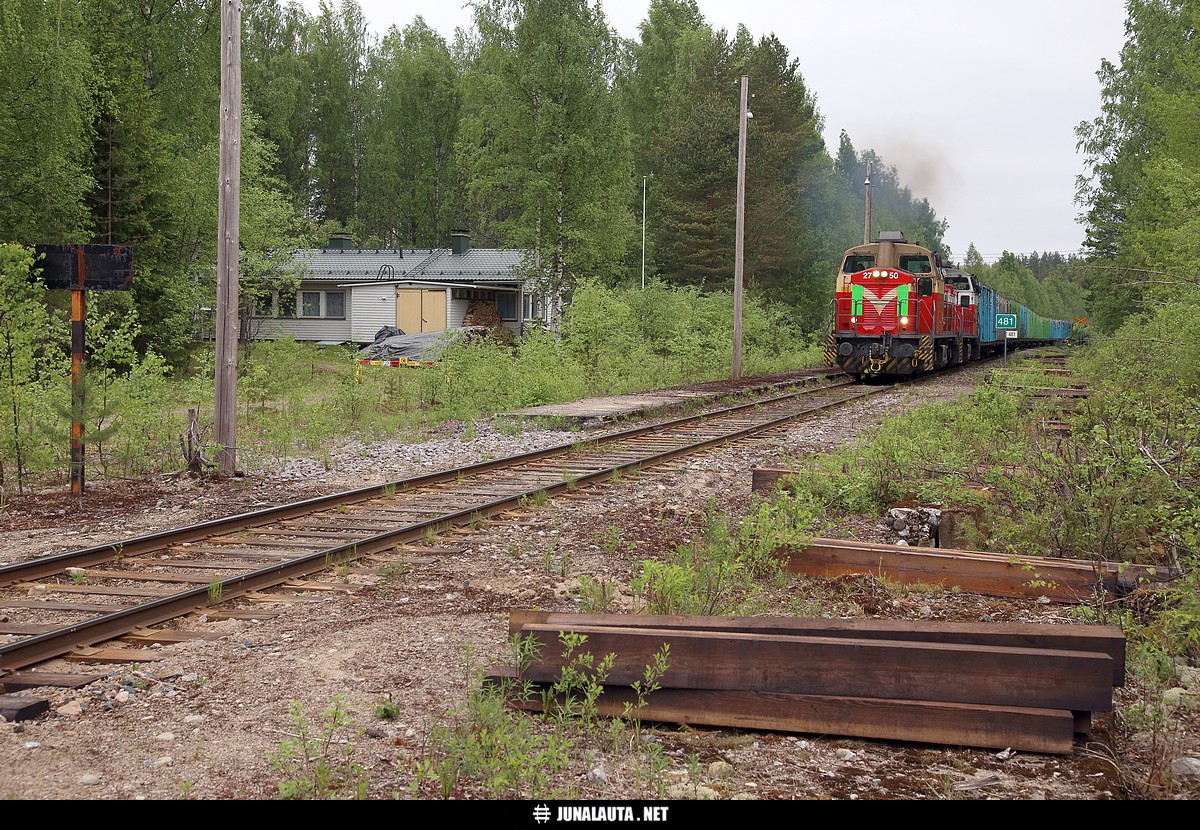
(605, 409)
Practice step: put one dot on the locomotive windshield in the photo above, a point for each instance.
(858, 262)
(915, 263)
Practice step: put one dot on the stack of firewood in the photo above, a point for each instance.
(483, 314)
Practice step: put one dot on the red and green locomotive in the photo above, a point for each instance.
(900, 310)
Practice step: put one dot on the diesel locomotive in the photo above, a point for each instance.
(899, 310)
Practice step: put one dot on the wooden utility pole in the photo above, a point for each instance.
(743, 113)
(867, 220)
(225, 432)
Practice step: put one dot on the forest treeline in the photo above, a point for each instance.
(538, 128)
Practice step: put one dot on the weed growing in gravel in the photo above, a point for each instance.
(581, 681)
(488, 746)
(651, 758)
(387, 709)
(575, 695)
(393, 572)
(555, 562)
(594, 596)
(316, 763)
(610, 539)
(944, 789)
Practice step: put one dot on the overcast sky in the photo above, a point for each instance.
(974, 103)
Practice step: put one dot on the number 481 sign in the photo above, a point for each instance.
(1006, 321)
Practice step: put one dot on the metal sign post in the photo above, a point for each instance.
(1007, 322)
(80, 268)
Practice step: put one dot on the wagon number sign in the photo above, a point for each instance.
(1006, 321)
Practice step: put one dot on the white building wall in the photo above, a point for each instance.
(456, 312)
(372, 307)
(302, 329)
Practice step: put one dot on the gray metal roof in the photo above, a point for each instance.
(441, 264)
(476, 265)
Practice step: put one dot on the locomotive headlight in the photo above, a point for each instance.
(878, 275)
(904, 321)
(853, 320)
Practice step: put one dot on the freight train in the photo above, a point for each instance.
(899, 310)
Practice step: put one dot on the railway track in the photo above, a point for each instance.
(65, 603)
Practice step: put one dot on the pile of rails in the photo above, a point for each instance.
(990, 574)
(1027, 687)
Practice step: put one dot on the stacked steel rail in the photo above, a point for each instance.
(1027, 687)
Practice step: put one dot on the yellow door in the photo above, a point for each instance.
(420, 309)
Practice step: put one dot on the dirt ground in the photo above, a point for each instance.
(209, 719)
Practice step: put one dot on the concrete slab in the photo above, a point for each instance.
(601, 409)
(605, 408)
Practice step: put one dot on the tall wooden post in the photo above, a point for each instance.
(867, 219)
(225, 431)
(741, 226)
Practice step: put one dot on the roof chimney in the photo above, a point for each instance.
(460, 241)
(341, 241)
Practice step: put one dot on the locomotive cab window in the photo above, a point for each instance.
(858, 262)
(915, 263)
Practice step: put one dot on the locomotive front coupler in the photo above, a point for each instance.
(883, 349)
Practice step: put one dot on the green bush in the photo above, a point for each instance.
(724, 571)
(316, 762)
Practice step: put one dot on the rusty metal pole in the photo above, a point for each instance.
(741, 226)
(78, 311)
(225, 430)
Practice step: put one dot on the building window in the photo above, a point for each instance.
(274, 304)
(472, 294)
(310, 303)
(532, 306)
(322, 303)
(265, 305)
(506, 304)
